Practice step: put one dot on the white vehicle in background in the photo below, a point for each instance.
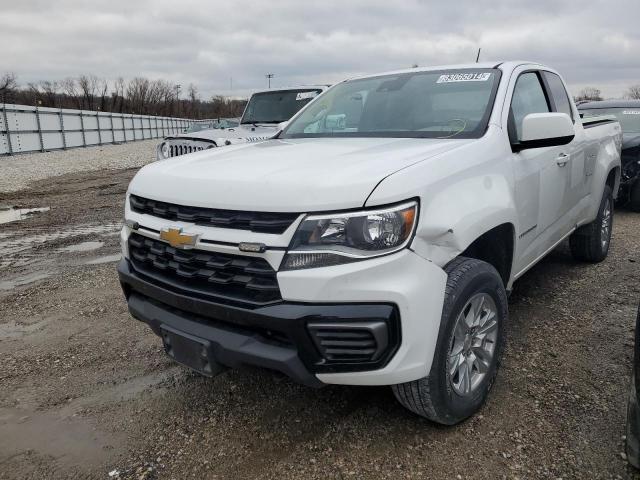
(218, 123)
(262, 119)
(374, 240)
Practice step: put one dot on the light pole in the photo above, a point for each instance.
(269, 77)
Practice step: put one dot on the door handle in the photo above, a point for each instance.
(562, 159)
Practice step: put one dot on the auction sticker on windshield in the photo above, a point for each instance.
(464, 77)
(305, 95)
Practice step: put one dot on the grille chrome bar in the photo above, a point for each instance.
(260, 222)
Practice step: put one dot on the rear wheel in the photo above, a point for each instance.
(590, 243)
(468, 349)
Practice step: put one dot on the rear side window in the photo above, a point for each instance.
(558, 93)
(528, 97)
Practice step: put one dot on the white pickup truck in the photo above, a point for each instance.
(262, 117)
(374, 240)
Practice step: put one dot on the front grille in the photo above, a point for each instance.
(182, 146)
(350, 342)
(177, 150)
(230, 278)
(260, 222)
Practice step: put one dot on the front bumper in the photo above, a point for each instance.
(404, 281)
(288, 337)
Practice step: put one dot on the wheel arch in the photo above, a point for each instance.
(496, 247)
(493, 240)
(613, 180)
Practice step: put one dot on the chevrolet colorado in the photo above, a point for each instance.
(373, 241)
(262, 116)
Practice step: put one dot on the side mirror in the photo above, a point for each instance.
(545, 130)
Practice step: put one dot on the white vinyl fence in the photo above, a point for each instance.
(31, 129)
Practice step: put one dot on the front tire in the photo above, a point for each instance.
(468, 349)
(590, 243)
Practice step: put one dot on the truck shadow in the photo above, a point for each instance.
(337, 402)
(273, 418)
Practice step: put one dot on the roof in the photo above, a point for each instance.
(298, 87)
(610, 104)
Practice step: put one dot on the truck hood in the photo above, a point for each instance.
(301, 175)
(241, 133)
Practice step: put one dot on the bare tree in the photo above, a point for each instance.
(633, 92)
(34, 93)
(193, 98)
(589, 94)
(88, 85)
(49, 92)
(117, 95)
(8, 83)
(103, 88)
(139, 96)
(70, 89)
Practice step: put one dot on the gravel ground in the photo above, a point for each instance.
(20, 170)
(86, 391)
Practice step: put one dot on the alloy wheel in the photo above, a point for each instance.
(473, 345)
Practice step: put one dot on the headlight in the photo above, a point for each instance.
(164, 149)
(323, 240)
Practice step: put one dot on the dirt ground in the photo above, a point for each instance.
(87, 392)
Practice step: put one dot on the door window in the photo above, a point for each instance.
(528, 97)
(559, 94)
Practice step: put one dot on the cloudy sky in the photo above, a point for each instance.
(227, 47)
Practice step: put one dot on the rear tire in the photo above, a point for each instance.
(475, 296)
(590, 243)
(634, 196)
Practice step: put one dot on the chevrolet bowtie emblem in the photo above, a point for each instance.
(176, 238)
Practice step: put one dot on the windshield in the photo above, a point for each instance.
(278, 106)
(229, 122)
(629, 118)
(432, 104)
(197, 127)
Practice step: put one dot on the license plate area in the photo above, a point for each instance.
(190, 351)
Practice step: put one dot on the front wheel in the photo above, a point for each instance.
(590, 243)
(468, 349)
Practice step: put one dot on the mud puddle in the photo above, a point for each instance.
(23, 280)
(69, 440)
(82, 247)
(19, 250)
(14, 214)
(103, 259)
(16, 330)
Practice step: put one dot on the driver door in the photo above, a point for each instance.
(542, 181)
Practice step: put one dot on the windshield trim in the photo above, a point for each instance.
(286, 90)
(478, 132)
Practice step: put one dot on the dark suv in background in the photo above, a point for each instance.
(628, 114)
